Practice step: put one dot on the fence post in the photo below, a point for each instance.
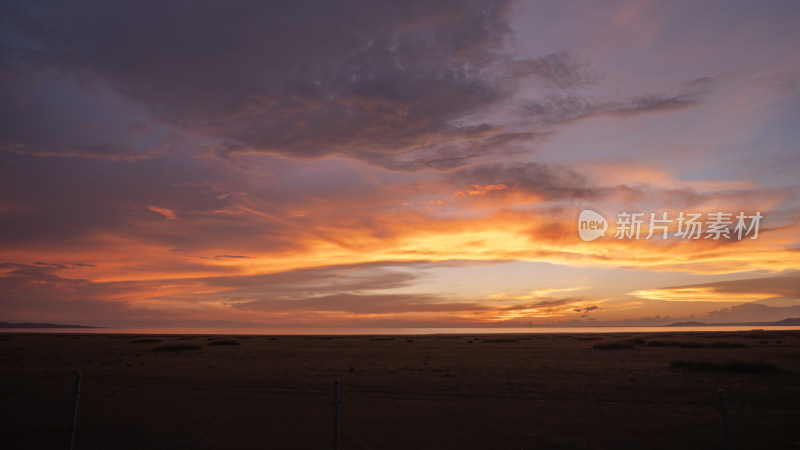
(723, 412)
(336, 415)
(75, 396)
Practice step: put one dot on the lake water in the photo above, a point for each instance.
(391, 331)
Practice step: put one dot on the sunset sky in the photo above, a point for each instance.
(395, 164)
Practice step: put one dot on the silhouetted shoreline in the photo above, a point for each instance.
(40, 325)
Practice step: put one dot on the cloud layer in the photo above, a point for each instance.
(311, 162)
(405, 87)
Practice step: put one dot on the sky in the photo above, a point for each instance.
(382, 164)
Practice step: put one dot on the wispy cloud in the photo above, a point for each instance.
(748, 290)
(542, 180)
(166, 212)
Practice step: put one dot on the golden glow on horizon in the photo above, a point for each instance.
(499, 237)
(484, 222)
(536, 293)
(699, 294)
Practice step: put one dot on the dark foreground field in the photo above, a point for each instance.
(417, 392)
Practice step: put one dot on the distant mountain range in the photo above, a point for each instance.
(781, 323)
(40, 325)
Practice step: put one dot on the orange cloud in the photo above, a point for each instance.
(481, 189)
(167, 213)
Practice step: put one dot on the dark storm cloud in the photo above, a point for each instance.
(390, 83)
(304, 78)
(548, 181)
